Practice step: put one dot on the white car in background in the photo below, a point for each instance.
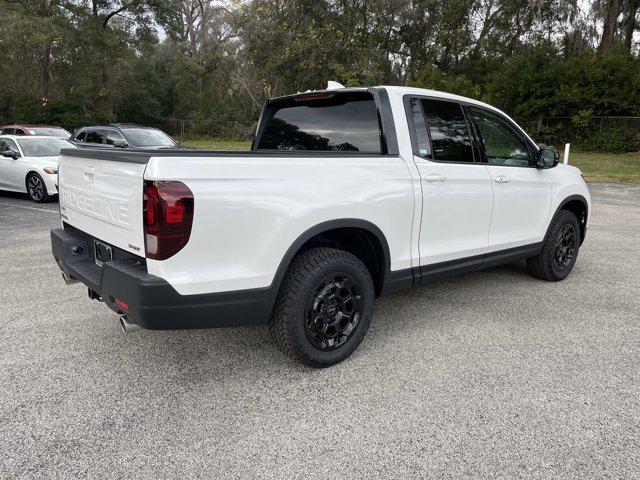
(29, 164)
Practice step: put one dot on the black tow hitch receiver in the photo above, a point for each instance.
(93, 295)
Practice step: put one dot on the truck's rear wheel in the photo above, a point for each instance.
(559, 249)
(324, 307)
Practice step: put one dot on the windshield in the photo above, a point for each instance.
(148, 137)
(53, 132)
(43, 147)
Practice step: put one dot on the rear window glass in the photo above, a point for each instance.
(341, 122)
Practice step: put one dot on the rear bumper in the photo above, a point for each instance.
(151, 302)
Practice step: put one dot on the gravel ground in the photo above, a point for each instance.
(492, 374)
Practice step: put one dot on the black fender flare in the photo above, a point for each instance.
(566, 200)
(325, 227)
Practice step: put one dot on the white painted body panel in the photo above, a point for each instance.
(566, 181)
(249, 209)
(521, 206)
(104, 199)
(456, 210)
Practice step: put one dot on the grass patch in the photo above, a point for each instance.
(607, 167)
(217, 144)
(596, 167)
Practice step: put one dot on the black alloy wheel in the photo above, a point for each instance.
(333, 313)
(559, 249)
(324, 307)
(565, 247)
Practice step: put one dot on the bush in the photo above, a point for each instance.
(609, 141)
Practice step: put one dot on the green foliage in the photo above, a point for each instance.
(609, 141)
(216, 62)
(435, 79)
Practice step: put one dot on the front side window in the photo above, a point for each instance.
(114, 138)
(82, 136)
(339, 122)
(43, 147)
(502, 145)
(449, 131)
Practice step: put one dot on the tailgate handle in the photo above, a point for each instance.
(88, 173)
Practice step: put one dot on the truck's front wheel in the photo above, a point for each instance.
(559, 250)
(324, 307)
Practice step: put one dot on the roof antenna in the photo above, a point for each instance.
(331, 85)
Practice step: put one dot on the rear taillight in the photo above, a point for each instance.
(168, 216)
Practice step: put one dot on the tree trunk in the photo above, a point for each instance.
(611, 12)
(45, 77)
(630, 23)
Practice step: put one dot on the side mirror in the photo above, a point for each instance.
(121, 144)
(547, 158)
(10, 154)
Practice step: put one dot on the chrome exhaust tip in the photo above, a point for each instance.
(127, 326)
(67, 279)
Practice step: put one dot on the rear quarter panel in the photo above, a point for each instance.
(250, 209)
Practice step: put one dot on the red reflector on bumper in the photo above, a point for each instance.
(121, 304)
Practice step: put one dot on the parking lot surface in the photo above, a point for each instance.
(492, 374)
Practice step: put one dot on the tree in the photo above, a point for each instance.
(630, 23)
(611, 12)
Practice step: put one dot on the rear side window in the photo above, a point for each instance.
(94, 136)
(341, 122)
(420, 128)
(449, 131)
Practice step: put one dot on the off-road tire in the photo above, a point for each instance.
(289, 325)
(542, 266)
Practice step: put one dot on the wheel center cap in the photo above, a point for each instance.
(331, 310)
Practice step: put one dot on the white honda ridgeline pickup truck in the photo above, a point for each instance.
(346, 194)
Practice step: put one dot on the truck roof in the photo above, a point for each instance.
(401, 90)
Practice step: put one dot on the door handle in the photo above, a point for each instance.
(501, 179)
(435, 177)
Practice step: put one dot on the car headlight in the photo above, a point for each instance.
(51, 171)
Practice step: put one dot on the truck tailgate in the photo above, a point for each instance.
(101, 194)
